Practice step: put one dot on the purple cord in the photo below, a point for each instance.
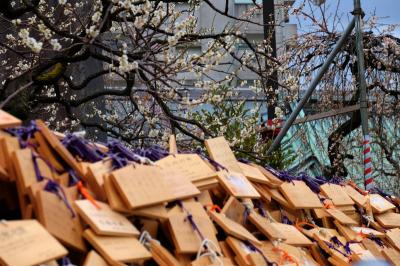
(256, 249)
(55, 188)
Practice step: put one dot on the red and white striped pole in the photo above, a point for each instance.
(369, 180)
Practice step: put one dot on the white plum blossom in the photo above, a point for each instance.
(56, 45)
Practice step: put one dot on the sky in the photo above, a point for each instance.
(386, 10)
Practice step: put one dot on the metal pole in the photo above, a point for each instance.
(358, 14)
(312, 87)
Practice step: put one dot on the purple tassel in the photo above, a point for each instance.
(311, 182)
(23, 133)
(377, 240)
(81, 147)
(332, 246)
(347, 248)
(336, 241)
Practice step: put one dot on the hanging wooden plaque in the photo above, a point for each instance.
(189, 166)
(341, 216)
(389, 219)
(219, 151)
(358, 198)
(393, 235)
(265, 227)
(300, 195)
(337, 194)
(105, 221)
(240, 249)
(185, 238)
(26, 242)
(392, 255)
(237, 185)
(7, 120)
(60, 221)
(208, 261)
(234, 210)
(116, 248)
(94, 259)
(59, 148)
(379, 204)
(113, 197)
(46, 152)
(253, 173)
(95, 177)
(292, 235)
(232, 228)
(143, 185)
(161, 255)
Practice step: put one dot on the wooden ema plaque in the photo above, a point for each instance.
(59, 220)
(292, 235)
(240, 249)
(337, 194)
(253, 173)
(393, 235)
(237, 185)
(388, 219)
(234, 210)
(143, 185)
(7, 120)
(392, 255)
(95, 177)
(117, 249)
(379, 204)
(185, 238)
(113, 197)
(232, 228)
(358, 198)
(265, 227)
(300, 195)
(94, 259)
(189, 166)
(274, 182)
(46, 152)
(59, 148)
(264, 193)
(26, 242)
(161, 255)
(341, 216)
(219, 151)
(105, 221)
(208, 261)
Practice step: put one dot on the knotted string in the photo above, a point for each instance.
(55, 188)
(23, 133)
(189, 217)
(285, 256)
(253, 248)
(214, 163)
(81, 147)
(377, 240)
